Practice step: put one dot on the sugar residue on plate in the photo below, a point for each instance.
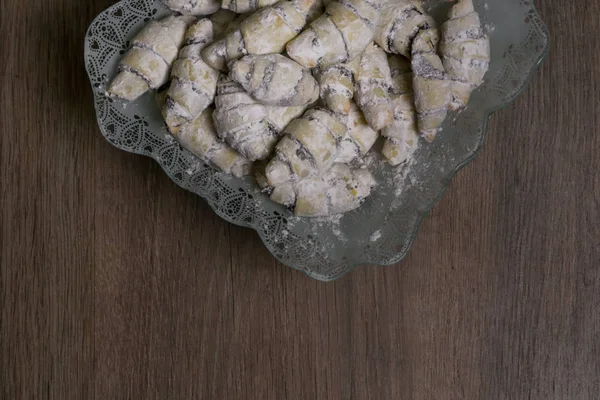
(375, 236)
(332, 222)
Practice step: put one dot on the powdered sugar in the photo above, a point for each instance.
(194, 166)
(403, 176)
(376, 235)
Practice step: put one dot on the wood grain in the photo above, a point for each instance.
(115, 283)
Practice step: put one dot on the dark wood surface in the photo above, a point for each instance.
(116, 284)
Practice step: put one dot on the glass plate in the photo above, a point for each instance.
(382, 230)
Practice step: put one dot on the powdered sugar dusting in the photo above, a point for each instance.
(332, 222)
(375, 236)
(488, 28)
(403, 176)
(169, 138)
(194, 166)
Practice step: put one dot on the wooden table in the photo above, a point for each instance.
(116, 284)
